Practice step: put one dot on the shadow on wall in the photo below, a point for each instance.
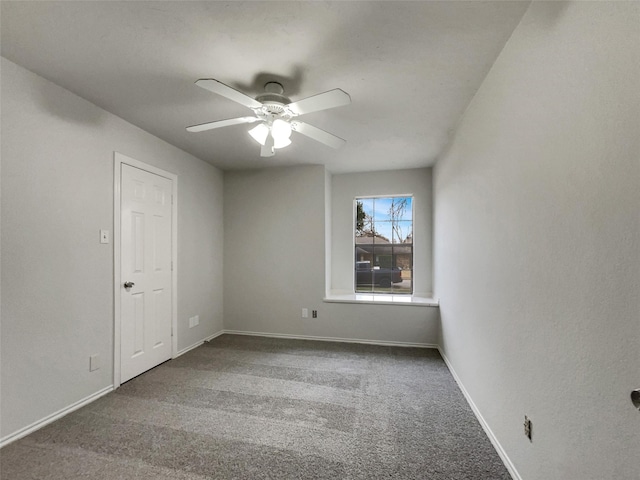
(179, 91)
(58, 105)
(550, 12)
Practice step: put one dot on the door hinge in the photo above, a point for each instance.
(172, 265)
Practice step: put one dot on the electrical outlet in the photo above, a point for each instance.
(314, 313)
(527, 427)
(194, 321)
(305, 313)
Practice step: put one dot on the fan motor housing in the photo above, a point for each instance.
(273, 98)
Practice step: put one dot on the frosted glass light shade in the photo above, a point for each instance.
(280, 142)
(280, 130)
(259, 133)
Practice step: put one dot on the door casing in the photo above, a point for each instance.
(120, 159)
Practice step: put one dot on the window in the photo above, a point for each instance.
(383, 245)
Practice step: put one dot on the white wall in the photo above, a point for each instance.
(275, 229)
(57, 279)
(537, 243)
(346, 187)
(274, 248)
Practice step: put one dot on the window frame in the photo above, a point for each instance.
(353, 247)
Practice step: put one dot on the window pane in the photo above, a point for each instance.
(364, 269)
(375, 271)
(402, 232)
(393, 208)
(367, 205)
(403, 208)
(364, 217)
(363, 265)
(382, 256)
(403, 260)
(383, 232)
(384, 245)
(381, 208)
(405, 286)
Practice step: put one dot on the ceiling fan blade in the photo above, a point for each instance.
(322, 101)
(317, 134)
(221, 123)
(226, 91)
(267, 149)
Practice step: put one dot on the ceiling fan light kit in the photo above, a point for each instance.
(259, 133)
(276, 114)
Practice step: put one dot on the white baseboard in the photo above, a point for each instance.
(197, 344)
(485, 426)
(75, 406)
(332, 339)
(23, 432)
(211, 337)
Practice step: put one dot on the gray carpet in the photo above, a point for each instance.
(261, 408)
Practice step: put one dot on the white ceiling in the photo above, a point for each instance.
(411, 68)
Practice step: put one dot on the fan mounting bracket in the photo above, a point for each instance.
(274, 87)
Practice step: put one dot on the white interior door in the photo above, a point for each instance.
(145, 265)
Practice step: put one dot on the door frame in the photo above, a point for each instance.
(118, 160)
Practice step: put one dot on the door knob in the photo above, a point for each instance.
(128, 284)
(635, 398)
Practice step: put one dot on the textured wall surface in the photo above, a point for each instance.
(274, 237)
(57, 279)
(537, 243)
(274, 248)
(345, 187)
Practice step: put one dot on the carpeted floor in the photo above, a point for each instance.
(262, 408)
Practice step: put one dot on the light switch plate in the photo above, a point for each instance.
(104, 236)
(94, 362)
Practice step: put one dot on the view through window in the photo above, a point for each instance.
(384, 245)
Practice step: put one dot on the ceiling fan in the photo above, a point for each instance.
(277, 114)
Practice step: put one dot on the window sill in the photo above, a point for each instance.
(382, 299)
